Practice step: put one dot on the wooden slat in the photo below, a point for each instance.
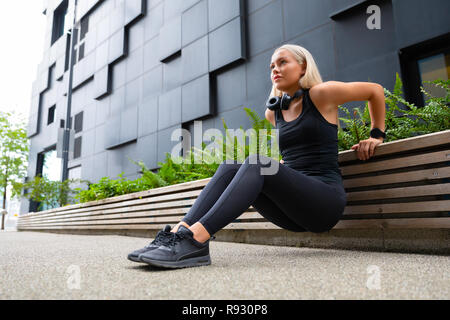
(410, 176)
(403, 207)
(402, 192)
(401, 162)
(406, 223)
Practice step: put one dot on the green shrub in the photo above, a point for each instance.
(411, 121)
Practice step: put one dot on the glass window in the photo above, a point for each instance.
(51, 166)
(59, 16)
(433, 68)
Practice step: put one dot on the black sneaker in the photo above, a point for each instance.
(180, 251)
(161, 237)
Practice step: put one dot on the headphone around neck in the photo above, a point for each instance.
(282, 102)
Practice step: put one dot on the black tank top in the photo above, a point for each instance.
(309, 143)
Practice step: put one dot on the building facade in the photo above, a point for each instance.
(144, 68)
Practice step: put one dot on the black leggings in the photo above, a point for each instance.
(289, 198)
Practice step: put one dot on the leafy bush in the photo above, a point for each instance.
(412, 121)
(49, 194)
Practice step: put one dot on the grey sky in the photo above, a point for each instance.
(22, 34)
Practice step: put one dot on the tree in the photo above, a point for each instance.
(14, 147)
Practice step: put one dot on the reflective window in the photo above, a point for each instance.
(433, 68)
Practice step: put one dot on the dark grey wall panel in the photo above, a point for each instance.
(169, 109)
(134, 9)
(115, 163)
(322, 51)
(101, 55)
(118, 74)
(170, 38)
(195, 99)
(171, 77)
(227, 44)
(266, 28)
(301, 16)
(151, 54)
(128, 125)
(147, 150)
(253, 5)
(417, 20)
(194, 59)
(148, 116)
(231, 88)
(117, 46)
(351, 29)
(135, 64)
(101, 82)
(117, 101)
(99, 145)
(100, 166)
(153, 21)
(84, 7)
(152, 81)
(221, 12)
(133, 93)
(195, 22)
(112, 131)
(165, 143)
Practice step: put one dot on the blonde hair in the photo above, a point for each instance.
(312, 74)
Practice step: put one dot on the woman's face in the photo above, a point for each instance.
(286, 68)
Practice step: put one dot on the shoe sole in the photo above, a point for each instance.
(187, 263)
(134, 259)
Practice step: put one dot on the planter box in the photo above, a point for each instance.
(398, 200)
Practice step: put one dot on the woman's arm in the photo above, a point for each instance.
(337, 93)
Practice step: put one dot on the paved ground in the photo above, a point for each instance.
(37, 265)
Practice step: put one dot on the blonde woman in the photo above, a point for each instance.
(306, 193)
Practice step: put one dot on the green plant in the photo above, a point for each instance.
(410, 121)
(48, 193)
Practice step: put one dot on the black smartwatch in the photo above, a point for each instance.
(376, 133)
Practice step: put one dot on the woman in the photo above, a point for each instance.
(306, 193)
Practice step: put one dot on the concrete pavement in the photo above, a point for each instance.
(36, 265)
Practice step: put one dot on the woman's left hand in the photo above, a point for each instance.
(366, 148)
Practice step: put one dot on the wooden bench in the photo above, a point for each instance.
(397, 200)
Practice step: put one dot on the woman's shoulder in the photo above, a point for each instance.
(317, 93)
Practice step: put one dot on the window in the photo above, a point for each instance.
(432, 68)
(51, 76)
(81, 52)
(51, 115)
(49, 166)
(426, 61)
(84, 27)
(79, 122)
(77, 148)
(80, 36)
(59, 16)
